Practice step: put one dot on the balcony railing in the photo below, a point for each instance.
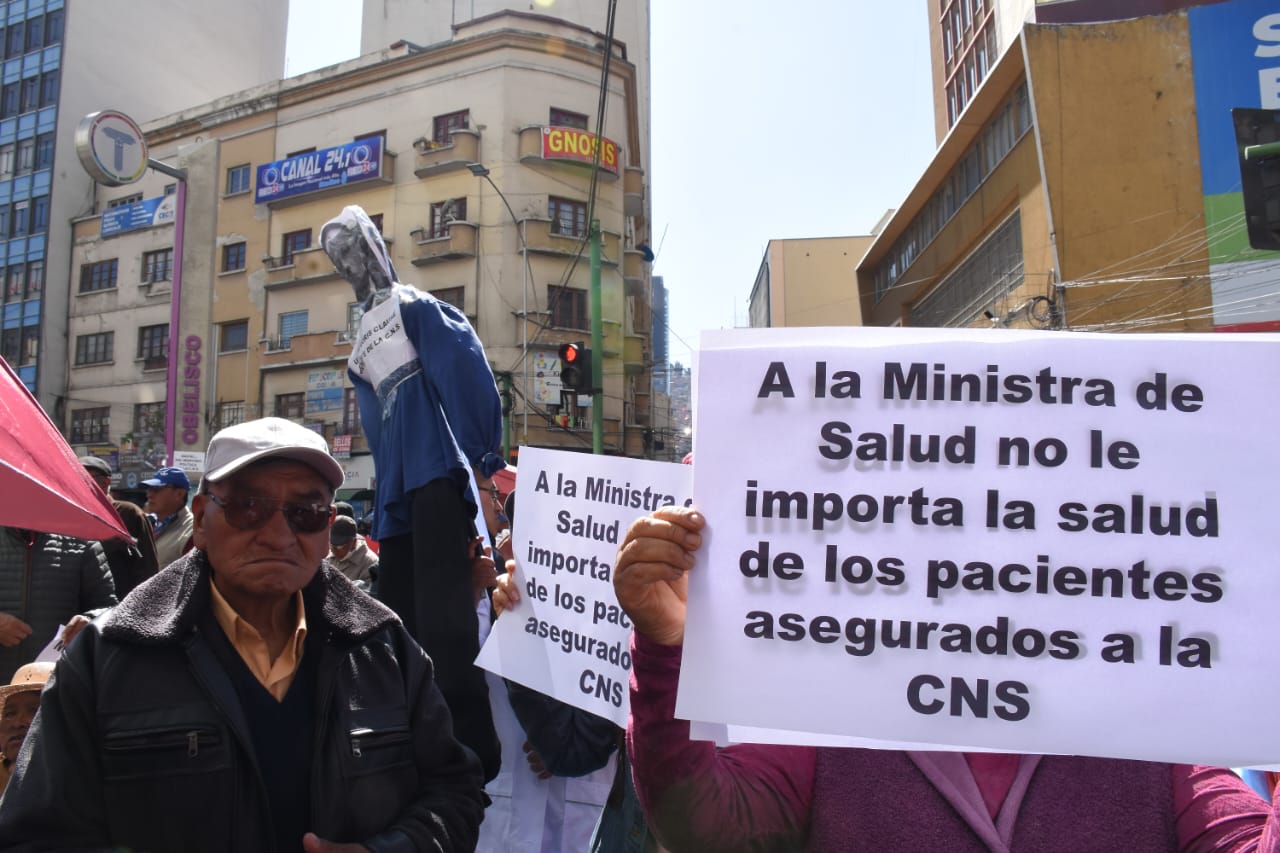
(460, 242)
(434, 158)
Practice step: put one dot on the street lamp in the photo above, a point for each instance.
(482, 171)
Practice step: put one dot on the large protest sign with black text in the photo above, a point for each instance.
(1034, 542)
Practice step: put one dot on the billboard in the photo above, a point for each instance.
(319, 170)
(1235, 52)
(147, 213)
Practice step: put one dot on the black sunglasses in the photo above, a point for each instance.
(254, 513)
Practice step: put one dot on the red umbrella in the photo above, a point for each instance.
(42, 484)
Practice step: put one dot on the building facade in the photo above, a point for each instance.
(63, 60)
(808, 282)
(475, 160)
(1089, 184)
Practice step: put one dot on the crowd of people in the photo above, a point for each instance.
(254, 670)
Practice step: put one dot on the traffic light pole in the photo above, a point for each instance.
(597, 345)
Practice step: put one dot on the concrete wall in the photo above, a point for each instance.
(1115, 108)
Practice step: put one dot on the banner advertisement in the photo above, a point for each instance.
(318, 170)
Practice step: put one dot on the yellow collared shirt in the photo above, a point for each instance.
(275, 675)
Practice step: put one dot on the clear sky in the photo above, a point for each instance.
(770, 120)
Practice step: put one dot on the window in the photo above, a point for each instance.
(44, 151)
(568, 307)
(35, 33)
(292, 323)
(445, 212)
(49, 89)
(294, 241)
(153, 346)
(30, 345)
(14, 283)
(100, 275)
(39, 214)
(9, 345)
(29, 94)
(124, 201)
(299, 152)
(566, 118)
(90, 426)
(170, 189)
(992, 270)
(35, 278)
(148, 419)
(231, 413)
(233, 337)
(4, 221)
(26, 156)
(9, 100)
(455, 296)
(355, 311)
(94, 349)
(21, 217)
(233, 257)
(14, 40)
(157, 265)
(290, 405)
(238, 179)
(568, 218)
(6, 161)
(442, 127)
(376, 219)
(350, 412)
(53, 27)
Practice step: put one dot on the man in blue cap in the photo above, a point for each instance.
(167, 500)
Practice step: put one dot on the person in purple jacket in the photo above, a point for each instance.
(776, 798)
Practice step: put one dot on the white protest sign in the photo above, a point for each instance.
(567, 637)
(1033, 542)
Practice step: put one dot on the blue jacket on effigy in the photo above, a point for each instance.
(428, 402)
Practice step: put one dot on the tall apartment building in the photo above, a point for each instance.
(474, 157)
(63, 60)
(1091, 180)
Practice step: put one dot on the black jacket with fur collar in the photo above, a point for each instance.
(141, 743)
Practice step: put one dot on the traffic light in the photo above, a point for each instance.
(1258, 145)
(575, 368)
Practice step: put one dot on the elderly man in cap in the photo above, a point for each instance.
(131, 562)
(167, 494)
(350, 555)
(248, 697)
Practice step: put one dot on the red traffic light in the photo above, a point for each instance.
(569, 353)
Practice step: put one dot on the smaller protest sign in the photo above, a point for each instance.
(568, 638)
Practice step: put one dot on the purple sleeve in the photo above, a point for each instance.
(696, 797)
(1216, 812)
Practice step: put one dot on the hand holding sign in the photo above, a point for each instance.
(650, 575)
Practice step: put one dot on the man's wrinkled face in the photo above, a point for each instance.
(341, 551)
(102, 480)
(272, 560)
(164, 501)
(19, 710)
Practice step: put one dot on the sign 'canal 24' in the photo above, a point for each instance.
(318, 170)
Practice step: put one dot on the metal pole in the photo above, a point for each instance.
(597, 345)
(524, 327)
(175, 308)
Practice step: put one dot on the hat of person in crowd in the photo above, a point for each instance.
(169, 477)
(237, 446)
(29, 677)
(96, 465)
(344, 508)
(342, 531)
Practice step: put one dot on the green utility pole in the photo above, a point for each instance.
(597, 345)
(504, 391)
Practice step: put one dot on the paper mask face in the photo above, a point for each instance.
(357, 251)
